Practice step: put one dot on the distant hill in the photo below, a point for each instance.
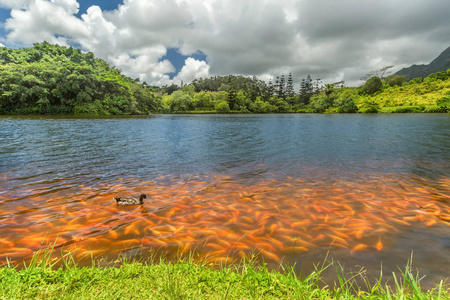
(441, 63)
(51, 79)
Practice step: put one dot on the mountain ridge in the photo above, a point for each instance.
(439, 64)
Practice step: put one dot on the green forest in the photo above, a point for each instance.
(51, 79)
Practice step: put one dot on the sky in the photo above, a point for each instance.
(168, 41)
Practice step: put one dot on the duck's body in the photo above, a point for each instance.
(131, 200)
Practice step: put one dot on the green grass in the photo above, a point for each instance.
(186, 279)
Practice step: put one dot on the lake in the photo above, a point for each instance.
(365, 190)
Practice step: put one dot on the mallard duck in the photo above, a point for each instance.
(131, 200)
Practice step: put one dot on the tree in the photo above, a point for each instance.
(171, 88)
(321, 103)
(317, 85)
(306, 89)
(232, 99)
(181, 101)
(276, 86)
(369, 107)
(347, 105)
(260, 106)
(166, 103)
(372, 86)
(281, 87)
(222, 107)
(395, 80)
(203, 100)
(188, 89)
(269, 90)
(52, 79)
(242, 101)
(219, 96)
(283, 106)
(290, 86)
(329, 88)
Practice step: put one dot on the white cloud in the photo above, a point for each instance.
(124, 42)
(14, 3)
(145, 66)
(192, 69)
(325, 38)
(70, 6)
(44, 20)
(101, 33)
(241, 37)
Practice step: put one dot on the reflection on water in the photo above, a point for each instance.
(364, 189)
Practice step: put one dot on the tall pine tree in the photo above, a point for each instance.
(306, 89)
(290, 86)
(281, 87)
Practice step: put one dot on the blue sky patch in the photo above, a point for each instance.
(177, 59)
(4, 14)
(104, 4)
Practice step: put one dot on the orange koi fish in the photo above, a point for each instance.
(88, 253)
(18, 252)
(359, 247)
(296, 249)
(270, 255)
(127, 242)
(338, 239)
(336, 245)
(132, 228)
(379, 245)
(216, 253)
(431, 222)
(6, 242)
(222, 260)
(214, 246)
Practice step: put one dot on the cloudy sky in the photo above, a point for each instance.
(165, 41)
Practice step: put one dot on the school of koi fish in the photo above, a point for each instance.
(217, 218)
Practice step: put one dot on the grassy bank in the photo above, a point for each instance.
(186, 279)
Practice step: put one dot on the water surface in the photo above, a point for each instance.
(364, 189)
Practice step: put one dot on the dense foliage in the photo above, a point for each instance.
(50, 79)
(243, 94)
(418, 95)
(372, 86)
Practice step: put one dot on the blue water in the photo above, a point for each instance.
(99, 150)
(44, 155)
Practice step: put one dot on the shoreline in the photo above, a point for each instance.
(383, 111)
(186, 279)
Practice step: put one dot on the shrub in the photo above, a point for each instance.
(283, 106)
(181, 101)
(347, 105)
(444, 101)
(395, 80)
(408, 109)
(372, 86)
(321, 103)
(369, 107)
(222, 106)
(416, 80)
(260, 106)
(437, 109)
